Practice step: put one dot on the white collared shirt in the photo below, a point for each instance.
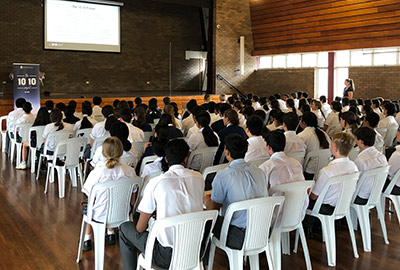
(282, 105)
(369, 159)
(99, 159)
(187, 123)
(13, 117)
(257, 149)
(332, 121)
(388, 121)
(153, 167)
(192, 131)
(256, 105)
(78, 124)
(27, 118)
(97, 111)
(177, 191)
(394, 162)
(293, 143)
(50, 128)
(214, 118)
(336, 167)
(196, 142)
(326, 109)
(320, 117)
(99, 130)
(379, 141)
(135, 134)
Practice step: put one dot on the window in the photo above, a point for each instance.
(383, 57)
(342, 59)
(321, 82)
(323, 59)
(341, 74)
(361, 58)
(309, 60)
(279, 61)
(294, 60)
(265, 62)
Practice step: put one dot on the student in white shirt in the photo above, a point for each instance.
(394, 162)
(238, 107)
(112, 150)
(314, 138)
(135, 134)
(369, 158)
(97, 110)
(169, 109)
(255, 102)
(341, 145)
(203, 138)
(371, 120)
(389, 111)
(316, 109)
(293, 142)
(188, 122)
(12, 119)
(275, 119)
(291, 106)
(159, 165)
(345, 104)
(56, 125)
(332, 124)
(87, 121)
(326, 108)
(211, 109)
(376, 106)
(178, 191)
(98, 129)
(27, 118)
(349, 121)
(257, 146)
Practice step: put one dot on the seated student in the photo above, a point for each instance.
(194, 129)
(207, 100)
(369, 158)
(87, 121)
(154, 111)
(222, 98)
(173, 132)
(49, 104)
(332, 124)
(371, 120)
(237, 182)
(341, 145)
(314, 138)
(56, 125)
(176, 192)
(12, 118)
(293, 142)
(238, 107)
(348, 121)
(96, 108)
(255, 102)
(275, 119)
(316, 107)
(135, 134)
(112, 150)
(139, 120)
(280, 168)
(231, 122)
(376, 106)
(389, 110)
(219, 125)
(204, 137)
(212, 110)
(257, 147)
(98, 129)
(72, 104)
(326, 108)
(394, 162)
(159, 165)
(169, 109)
(70, 117)
(345, 104)
(188, 121)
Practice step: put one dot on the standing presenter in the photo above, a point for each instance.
(349, 89)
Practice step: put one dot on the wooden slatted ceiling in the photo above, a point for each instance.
(293, 26)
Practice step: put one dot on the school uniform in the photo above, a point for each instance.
(99, 130)
(99, 159)
(229, 129)
(135, 134)
(394, 162)
(187, 123)
(379, 141)
(196, 142)
(213, 118)
(27, 118)
(320, 117)
(50, 128)
(153, 167)
(257, 149)
(332, 121)
(294, 143)
(78, 124)
(97, 111)
(388, 121)
(218, 125)
(326, 109)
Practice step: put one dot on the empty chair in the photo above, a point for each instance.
(189, 230)
(260, 213)
(299, 156)
(119, 194)
(84, 133)
(347, 187)
(323, 157)
(295, 194)
(3, 122)
(35, 141)
(145, 161)
(22, 129)
(361, 212)
(390, 135)
(394, 198)
(204, 155)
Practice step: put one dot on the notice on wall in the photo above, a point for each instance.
(27, 84)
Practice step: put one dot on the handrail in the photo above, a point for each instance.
(231, 86)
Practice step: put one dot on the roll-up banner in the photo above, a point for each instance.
(27, 84)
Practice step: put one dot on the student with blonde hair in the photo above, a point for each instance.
(169, 109)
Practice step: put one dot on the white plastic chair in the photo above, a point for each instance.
(145, 161)
(69, 149)
(354, 153)
(390, 135)
(188, 230)
(24, 130)
(347, 187)
(61, 135)
(34, 145)
(214, 169)
(322, 156)
(139, 147)
(206, 156)
(13, 144)
(299, 156)
(84, 133)
(3, 122)
(258, 162)
(119, 193)
(96, 144)
(146, 180)
(361, 212)
(394, 198)
(295, 194)
(147, 135)
(260, 213)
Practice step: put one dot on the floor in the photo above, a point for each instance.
(41, 231)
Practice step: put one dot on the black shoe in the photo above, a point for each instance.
(308, 232)
(110, 239)
(87, 245)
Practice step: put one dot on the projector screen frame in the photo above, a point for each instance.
(99, 2)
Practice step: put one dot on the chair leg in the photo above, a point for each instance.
(276, 248)
(211, 256)
(61, 181)
(12, 152)
(72, 175)
(38, 168)
(396, 202)
(285, 237)
(328, 230)
(381, 216)
(296, 240)
(305, 247)
(363, 217)
(254, 262)
(352, 237)
(235, 259)
(270, 260)
(80, 174)
(33, 155)
(47, 178)
(81, 238)
(99, 243)
(19, 154)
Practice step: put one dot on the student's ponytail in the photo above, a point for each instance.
(310, 119)
(203, 118)
(56, 118)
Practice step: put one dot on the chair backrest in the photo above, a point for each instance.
(84, 133)
(258, 162)
(3, 122)
(147, 135)
(206, 154)
(146, 180)
(96, 144)
(393, 182)
(99, 118)
(130, 161)
(119, 193)
(71, 149)
(354, 153)
(188, 230)
(146, 160)
(23, 129)
(347, 184)
(299, 156)
(295, 195)
(378, 176)
(390, 135)
(58, 136)
(382, 131)
(214, 169)
(260, 212)
(38, 131)
(323, 157)
(139, 147)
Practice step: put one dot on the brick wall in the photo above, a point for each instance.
(142, 68)
(376, 82)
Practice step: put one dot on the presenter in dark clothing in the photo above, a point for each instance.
(349, 89)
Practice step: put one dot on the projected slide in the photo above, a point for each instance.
(71, 25)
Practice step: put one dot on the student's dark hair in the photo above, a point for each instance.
(140, 114)
(353, 102)
(222, 107)
(20, 102)
(311, 120)
(121, 131)
(390, 108)
(256, 98)
(166, 100)
(275, 105)
(126, 115)
(175, 109)
(305, 95)
(56, 118)
(211, 107)
(86, 110)
(203, 118)
(232, 117)
(123, 105)
(367, 109)
(377, 103)
(299, 94)
(72, 103)
(27, 107)
(368, 102)
(248, 111)
(138, 101)
(305, 108)
(61, 106)
(367, 135)
(271, 98)
(261, 114)
(115, 103)
(372, 118)
(158, 145)
(110, 121)
(276, 140)
(336, 106)
(302, 102)
(165, 119)
(153, 104)
(231, 100)
(290, 104)
(247, 102)
(97, 100)
(250, 96)
(49, 104)
(350, 119)
(236, 145)
(356, 111)
(255, 124)
(277, 115)
(291, 120)
(162, 130)
(263, 101)
(277, 96)
(293, 95)
(42, 117)
(322, 99)
(107, 110)
(238, 105)
(191, 104)
(130, 104)
(338, 99)
(176, 151)
(345, 101)
(69, 111)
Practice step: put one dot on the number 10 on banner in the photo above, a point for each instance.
(23, 81)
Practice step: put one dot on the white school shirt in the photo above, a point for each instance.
(97, 110)
(50, 128)
(135, 134)
(214, 118)
(337, 167)
(282, 105)
(196, 142)
(13, 117)
(326, 109)
(388, 121)
(242, 120)
(257, 149)
(394, 162)
(99, 130)
(378, 111)
(256, 105)
(369, 159)
(309, 137)
(177, 191)
(192, 130)
(294, 143)
(345, 108)
(99, 159)
(27, 118)
(178, 123)
(77, 125)
(187, 123)
(397, 118)
(153, 167)
(321, 119)
(379, 141)
(102, 174)
(332, 121)
(272, 126)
